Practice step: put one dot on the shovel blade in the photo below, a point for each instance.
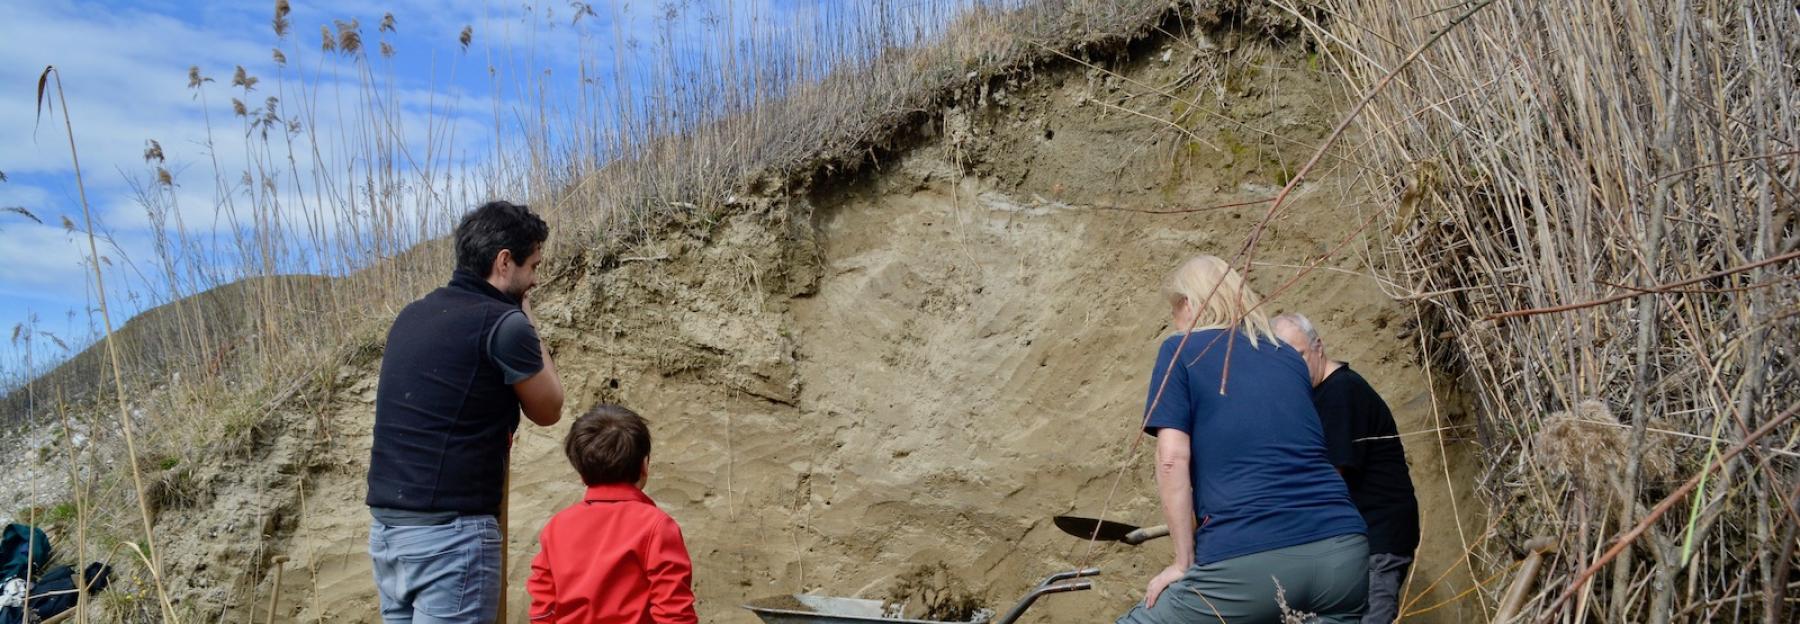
(1091, 528)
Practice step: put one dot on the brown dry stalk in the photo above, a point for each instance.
(1186, 210)
(1668, 502)
(81, 519)
(112, 350)
(1495, 215)
(1477, 586)
(1702, 291)
(1722, 163)
(1248, 255)
(1660, 289)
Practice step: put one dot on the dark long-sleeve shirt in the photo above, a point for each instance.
(1362, 441)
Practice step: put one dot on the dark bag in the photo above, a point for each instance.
(59, 581)
(19, 545)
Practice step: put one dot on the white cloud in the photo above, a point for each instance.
(23, 195)
(125, 70)
(42, 262)
(127, 83)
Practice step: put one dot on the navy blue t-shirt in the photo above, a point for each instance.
(1261, 479)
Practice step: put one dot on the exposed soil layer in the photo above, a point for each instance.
(917, 363)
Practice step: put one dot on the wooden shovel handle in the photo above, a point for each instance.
(1146, 534)
(1525, 580)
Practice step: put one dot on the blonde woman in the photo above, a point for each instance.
(1252, 503)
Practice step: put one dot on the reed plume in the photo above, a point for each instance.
(280, 22)
(349, 36)
(242, 78)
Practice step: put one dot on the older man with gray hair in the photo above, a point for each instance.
(1362, 441)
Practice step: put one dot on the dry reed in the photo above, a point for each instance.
(1550, 170)
(326, 230)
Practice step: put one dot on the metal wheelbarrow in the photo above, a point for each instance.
(812, 609)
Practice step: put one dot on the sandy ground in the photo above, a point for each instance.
(918, 365)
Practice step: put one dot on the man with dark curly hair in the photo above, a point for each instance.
(460, 365)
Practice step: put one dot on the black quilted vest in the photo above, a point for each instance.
(444, 416)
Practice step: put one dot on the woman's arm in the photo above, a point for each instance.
(1175, 486)
(1169, 415)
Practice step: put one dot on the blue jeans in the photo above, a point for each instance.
(444, 574)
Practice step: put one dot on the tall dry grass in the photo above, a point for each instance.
(148, 547)
(1534, 157)
(328, 228)
(1593, 205)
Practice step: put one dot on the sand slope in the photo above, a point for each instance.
(922, 363)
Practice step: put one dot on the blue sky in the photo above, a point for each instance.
(124, 68)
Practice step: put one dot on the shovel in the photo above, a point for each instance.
(1109, 531)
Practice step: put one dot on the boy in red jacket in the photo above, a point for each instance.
(614, 557)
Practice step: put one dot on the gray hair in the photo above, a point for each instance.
(1300, 321)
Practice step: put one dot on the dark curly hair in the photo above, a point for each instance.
(494, 226)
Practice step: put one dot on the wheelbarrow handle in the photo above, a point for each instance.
(1047, 588)
(1054, 584)
(1063, 576)
(1068, 587)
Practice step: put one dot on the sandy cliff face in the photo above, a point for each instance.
(917, 363)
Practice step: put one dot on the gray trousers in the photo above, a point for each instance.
(1328, 578)
(1386, 574)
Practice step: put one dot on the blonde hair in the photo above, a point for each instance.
(1219, 296)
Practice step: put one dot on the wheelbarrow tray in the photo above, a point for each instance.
(813, 609)
(810, 609)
